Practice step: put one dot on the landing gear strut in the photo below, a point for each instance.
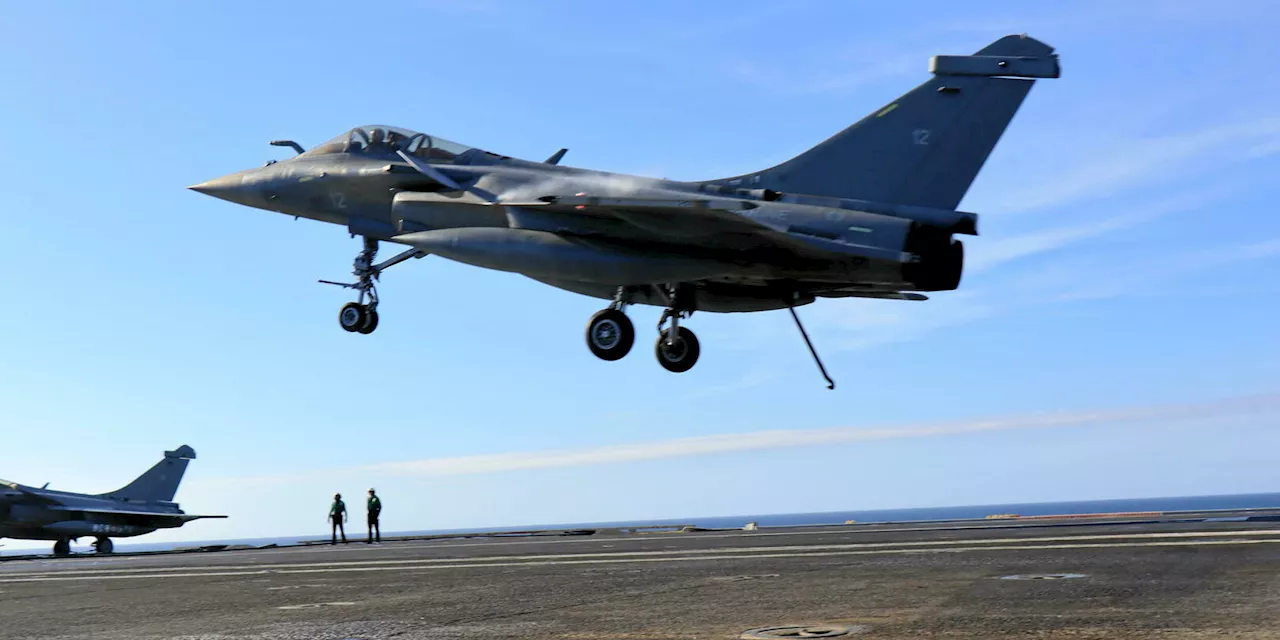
(677, 347)
(359, 316)
(104, 545)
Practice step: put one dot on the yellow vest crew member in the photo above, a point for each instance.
(338, 516)
(375, 509)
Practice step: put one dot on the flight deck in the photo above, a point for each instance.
(1119, 575)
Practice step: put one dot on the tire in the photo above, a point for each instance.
(682, 355)
(370, 321)
(610, 334)
(105, 545)
(351, 317)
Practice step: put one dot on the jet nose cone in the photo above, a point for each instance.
(244, 187)
(219, 187)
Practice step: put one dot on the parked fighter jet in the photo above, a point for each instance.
(870, 212)
(142, 506)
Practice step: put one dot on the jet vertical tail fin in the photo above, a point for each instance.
(926, 147)
(160, 482)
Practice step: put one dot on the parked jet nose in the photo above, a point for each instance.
(241, 188)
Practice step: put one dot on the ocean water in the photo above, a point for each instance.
(1187, 503)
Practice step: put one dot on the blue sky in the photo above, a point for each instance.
(1128, 259)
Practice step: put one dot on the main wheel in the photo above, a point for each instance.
(104, 545)
(681, 355)
(610, 334)
(62, 547)
(352, 316)
(370, 321)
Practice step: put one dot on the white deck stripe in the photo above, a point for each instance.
(618, 556)
(424, 566)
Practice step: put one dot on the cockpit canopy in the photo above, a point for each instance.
(383, 140)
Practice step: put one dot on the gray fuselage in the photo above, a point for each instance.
(376, 194)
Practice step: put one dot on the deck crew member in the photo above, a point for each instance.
(375, 510)
(337, 517)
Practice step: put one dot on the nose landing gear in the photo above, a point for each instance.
(361, 316)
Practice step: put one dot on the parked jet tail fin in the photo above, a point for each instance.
(159, 483)
(926, 147)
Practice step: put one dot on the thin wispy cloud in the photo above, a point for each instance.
(1199, 12)
(845, 70)
(851, 323)
(749, 18)
(1099, 286)
(1201, 291)
(1263, 150)
(861, 324)
(1256, 405)
(463, 6)
(1106, 170)
(877, 56)
(749, 380)
(990, 253)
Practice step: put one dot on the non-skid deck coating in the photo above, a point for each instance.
(1162, 580)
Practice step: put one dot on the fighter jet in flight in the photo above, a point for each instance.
(142, 506)
(871, 212)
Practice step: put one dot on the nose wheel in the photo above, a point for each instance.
(358, 318)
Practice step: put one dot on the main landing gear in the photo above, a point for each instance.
(361, 316)
(62, 547)
(610, 334)
(677, 348)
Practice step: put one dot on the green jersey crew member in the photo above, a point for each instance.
(375, 510)
(338, 516)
